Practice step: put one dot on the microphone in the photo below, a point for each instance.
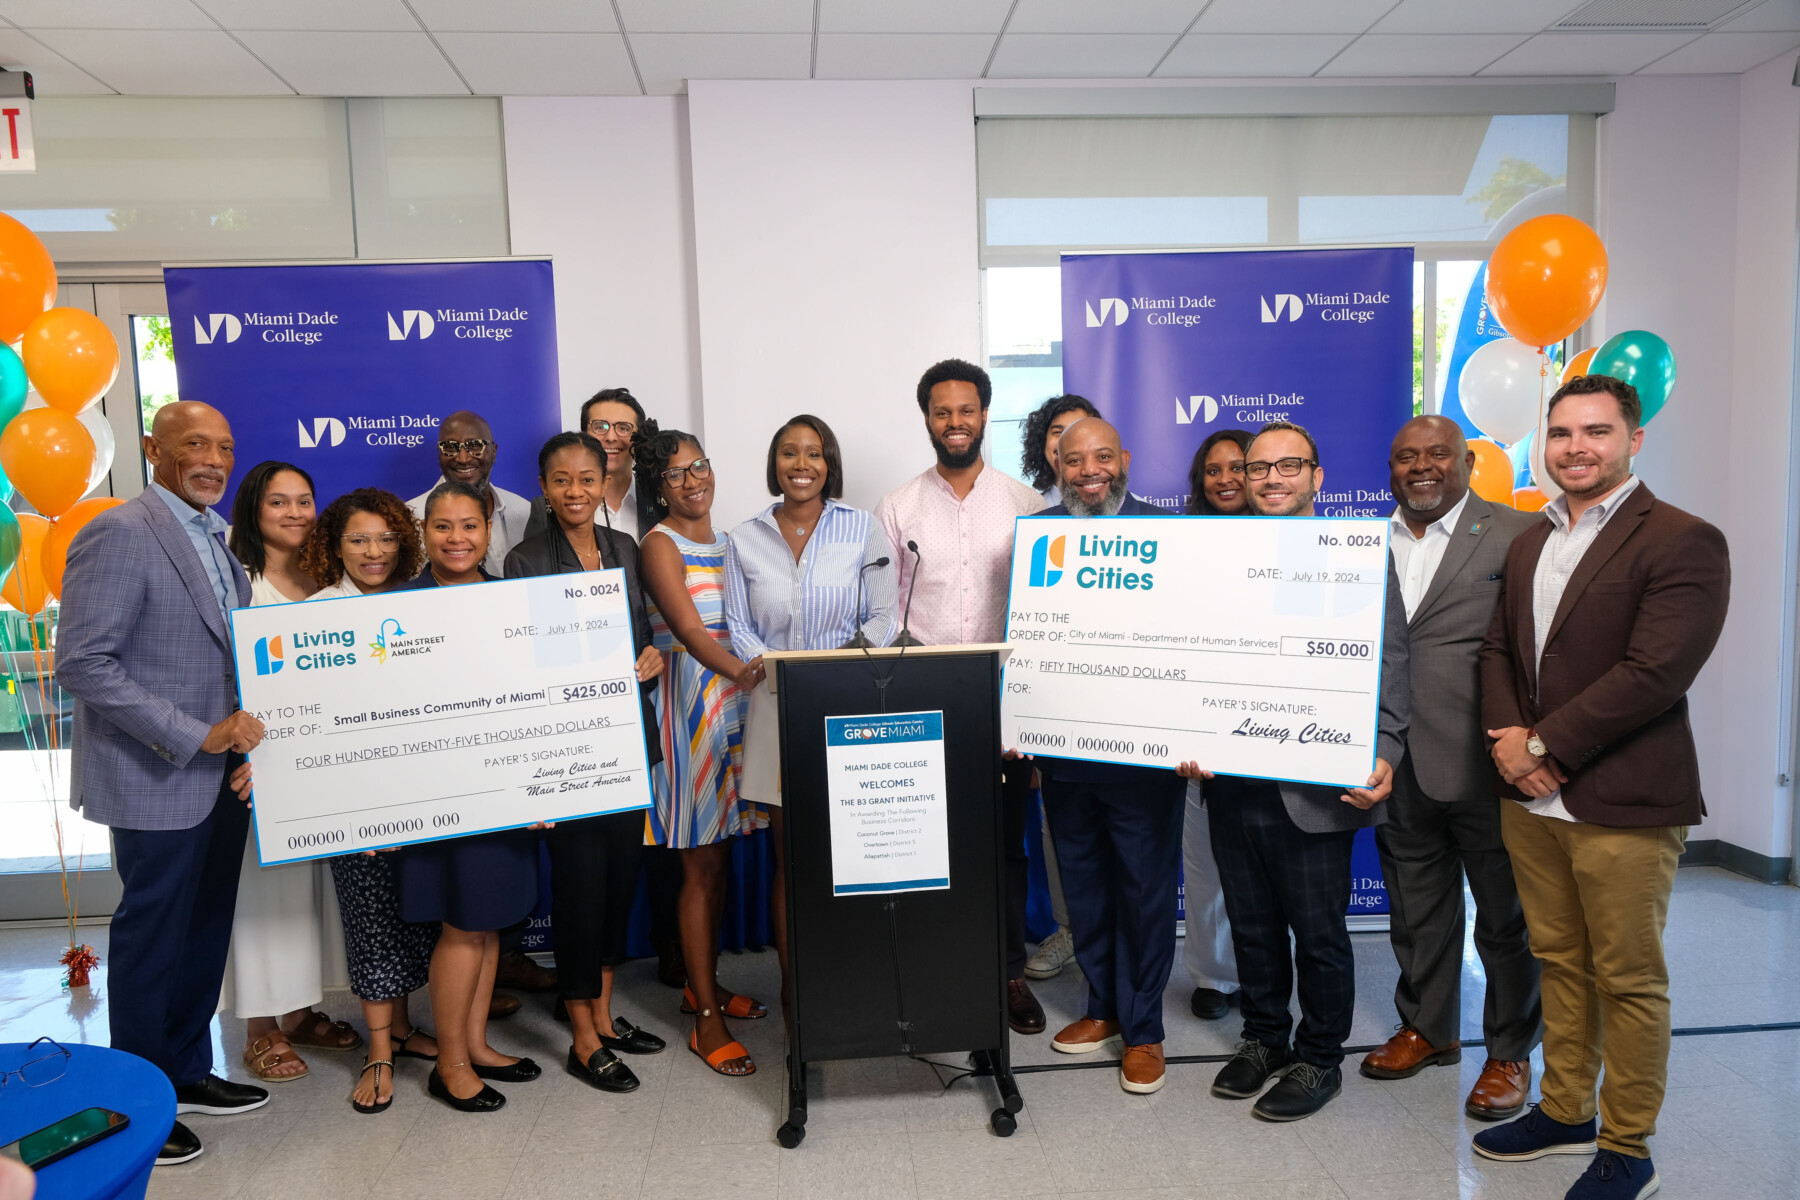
(906, 638)
(861, 640)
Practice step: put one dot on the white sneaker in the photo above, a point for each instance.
(1053, 954)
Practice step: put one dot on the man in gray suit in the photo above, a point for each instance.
(1283, 851)
(158, 750)
(1449, 548)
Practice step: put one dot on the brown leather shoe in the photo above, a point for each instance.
(1023, 1012)
(502, 1005)
(1085, 1035)
(1501, 1091)
(1406, 1054)
(1141, 1070)
(521, 972)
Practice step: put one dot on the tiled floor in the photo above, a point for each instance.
(884, 1128)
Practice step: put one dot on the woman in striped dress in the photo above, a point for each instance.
(701, 705)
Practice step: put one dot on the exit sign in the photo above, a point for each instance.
(17, 151)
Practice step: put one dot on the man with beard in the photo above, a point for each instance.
(159, 750)
(952, 528)
(1449, 549)
(1608, 612)
(1283, 851)
(1117, 828)
(466, 452)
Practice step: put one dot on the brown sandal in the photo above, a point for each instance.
(265, 1054)
(320, 1032)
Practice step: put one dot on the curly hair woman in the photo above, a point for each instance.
(1043, 429)
(366, 541)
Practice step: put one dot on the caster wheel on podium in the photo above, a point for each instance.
(1002, 1122)
(791, 1135)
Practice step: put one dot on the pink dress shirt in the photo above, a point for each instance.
(964, 564)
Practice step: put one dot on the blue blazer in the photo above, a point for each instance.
(144, 650)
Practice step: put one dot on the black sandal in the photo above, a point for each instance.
(379, 1105)
(400, 1050)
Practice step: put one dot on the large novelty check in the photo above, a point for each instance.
(441, 712)
(1250, 645)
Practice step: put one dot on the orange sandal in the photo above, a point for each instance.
(724, 1054)
(739, 1008)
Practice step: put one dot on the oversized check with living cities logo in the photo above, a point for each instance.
(442, 712)
(1250, 645)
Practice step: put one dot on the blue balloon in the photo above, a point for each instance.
(1520, 454)
(10, 540)
(13, 386)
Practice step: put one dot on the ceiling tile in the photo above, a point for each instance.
(147, 62)
(538, 16)
(314, 14)
(1587, 53)
(1462, 16)
(915, 16)
(669, 60)
(52, 74)
(1770, 14)
(903, 55)
(542, 64)
(1291, 16)
(1078, 55)
(104, 14)
(1724, 54)
(356, 64)
(1114, 16)
(1251, 54)
(1426, 54)
(718, 16)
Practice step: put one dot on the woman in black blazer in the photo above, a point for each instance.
(593, 861)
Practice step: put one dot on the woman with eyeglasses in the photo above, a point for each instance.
(593, 861)
(1043, 429)
(698, 805)
(364, 543)
(1216, 476)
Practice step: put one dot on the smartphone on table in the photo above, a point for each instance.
(65, 1137)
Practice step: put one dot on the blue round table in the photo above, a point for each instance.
(96, 1077)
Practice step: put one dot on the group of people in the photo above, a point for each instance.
(1534, 672)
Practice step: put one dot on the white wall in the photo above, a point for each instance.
(835, 225)
(602, 185)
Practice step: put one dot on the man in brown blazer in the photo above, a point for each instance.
(1609, 610)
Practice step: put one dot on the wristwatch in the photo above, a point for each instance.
(1535, 745)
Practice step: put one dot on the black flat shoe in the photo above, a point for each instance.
(523, 1071)
(217, 1097)
(603, 1070)
(486, 1100)
(180, 1146)
(632, 1040)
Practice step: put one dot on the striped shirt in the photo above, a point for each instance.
(773, 602)
(1562, 553)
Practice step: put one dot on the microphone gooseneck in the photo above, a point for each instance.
(861, 640)
(906, 637)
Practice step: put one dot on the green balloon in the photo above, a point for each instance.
(1643, 360)
(13, 386)
(9, 541)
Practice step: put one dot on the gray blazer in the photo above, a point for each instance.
(144, 650)
(1446, 741)
(1317, 809)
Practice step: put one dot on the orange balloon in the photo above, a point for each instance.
(24, 588)
(49, 456)
(1492, 478)
(27, 279)
(1579, 364)
(1545, 278)
(1529, 500)
(62, 534)
(71, 357)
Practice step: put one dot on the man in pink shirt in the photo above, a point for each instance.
(953, 529)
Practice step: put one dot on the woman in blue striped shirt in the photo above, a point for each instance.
(791, 584)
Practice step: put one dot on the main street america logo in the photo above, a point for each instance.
(410, 319)
(1046, 560)
(204, 335)
(1112, 307)
(1283, 301)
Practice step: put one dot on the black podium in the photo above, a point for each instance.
(910, 973)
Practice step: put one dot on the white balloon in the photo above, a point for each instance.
(1501, 387)
(104, 447)
(1539, 476)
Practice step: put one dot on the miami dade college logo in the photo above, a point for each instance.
(1283, 300)
(1046, 560)
(1204, 407)
(410, 319)
(205, 334)
(269, 658)
(1117, 309)
(328, 431)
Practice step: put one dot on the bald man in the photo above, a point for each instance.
(1449, 549)
(158, 750)
(466, 451)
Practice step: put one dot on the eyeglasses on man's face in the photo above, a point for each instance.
(474, 447)
(1286, 467)
(602, 428)
(700, 468)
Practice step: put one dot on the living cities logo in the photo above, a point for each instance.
(269, 658)
(1047, 560)
(322, 649)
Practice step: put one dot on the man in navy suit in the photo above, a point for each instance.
(159, 749)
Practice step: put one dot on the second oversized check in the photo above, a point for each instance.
(416, 715)
(1250, 645)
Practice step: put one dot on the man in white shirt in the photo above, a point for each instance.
(1449, 547)
(466, 451)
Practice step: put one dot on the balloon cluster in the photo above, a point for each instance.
(1544, 280)
(56, 448)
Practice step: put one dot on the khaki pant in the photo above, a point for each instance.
(1596, 901)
